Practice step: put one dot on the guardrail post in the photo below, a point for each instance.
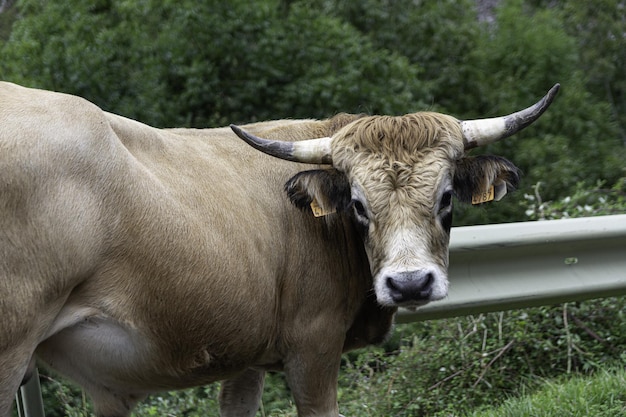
(29, 400)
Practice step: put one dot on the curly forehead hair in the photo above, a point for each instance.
(401, 137)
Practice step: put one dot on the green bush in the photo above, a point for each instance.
(450, 367)
(583, 202)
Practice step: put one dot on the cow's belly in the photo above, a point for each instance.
(99, 352)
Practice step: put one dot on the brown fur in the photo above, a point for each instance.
(134, 259)
(400, 137)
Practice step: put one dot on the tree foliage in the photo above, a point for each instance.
(203, 64)
(600, 31)
(436, 37)
(577, 140)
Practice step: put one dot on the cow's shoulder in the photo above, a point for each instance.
(35, 105)
(51, 128)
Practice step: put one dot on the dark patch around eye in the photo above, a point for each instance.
(359, 208)
(446, 222)
(446, 200)
(360, 219)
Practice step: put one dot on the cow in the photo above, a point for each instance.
(135, 260)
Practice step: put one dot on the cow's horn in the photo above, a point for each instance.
(312, 151)
(484, 131)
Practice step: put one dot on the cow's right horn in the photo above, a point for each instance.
(484, 131)
(312, 151)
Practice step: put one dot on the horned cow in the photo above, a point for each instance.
(135, 260)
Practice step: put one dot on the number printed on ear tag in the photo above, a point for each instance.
(317, 210)
(483, 197)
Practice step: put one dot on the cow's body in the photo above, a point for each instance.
(135, 260)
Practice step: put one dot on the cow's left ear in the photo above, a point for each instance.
(321, 191)
(475, 176)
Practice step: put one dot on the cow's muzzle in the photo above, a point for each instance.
(412, 288)
(409, 286)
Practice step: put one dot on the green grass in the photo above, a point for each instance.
(601, 395)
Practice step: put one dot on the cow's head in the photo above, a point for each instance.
(396, 177)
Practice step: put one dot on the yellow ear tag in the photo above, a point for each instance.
(318, 211)
(483, 197)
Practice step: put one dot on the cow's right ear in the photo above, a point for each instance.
(482, 178)
(323, 191)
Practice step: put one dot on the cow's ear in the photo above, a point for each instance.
(321, 191)
(483, 178)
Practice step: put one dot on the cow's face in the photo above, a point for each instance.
(396, 176)
(400, 172)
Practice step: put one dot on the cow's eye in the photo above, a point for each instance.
(446, 200)
(359, 210)
(445, 211)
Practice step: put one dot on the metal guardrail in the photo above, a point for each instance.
(28, 399)
(504, 267)
(515, 265)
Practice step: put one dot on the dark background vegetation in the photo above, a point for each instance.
(210, 63)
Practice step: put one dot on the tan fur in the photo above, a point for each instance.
(401, 137)
(401, 162)
(136, 260)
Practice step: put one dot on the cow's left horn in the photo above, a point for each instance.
(484, 131)
(312, 151)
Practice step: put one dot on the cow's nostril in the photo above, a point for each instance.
(427, 287)
(395, 288)
(391, 284)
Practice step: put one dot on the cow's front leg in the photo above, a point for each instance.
(312, 377)
(14, 366)
(240, 396)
